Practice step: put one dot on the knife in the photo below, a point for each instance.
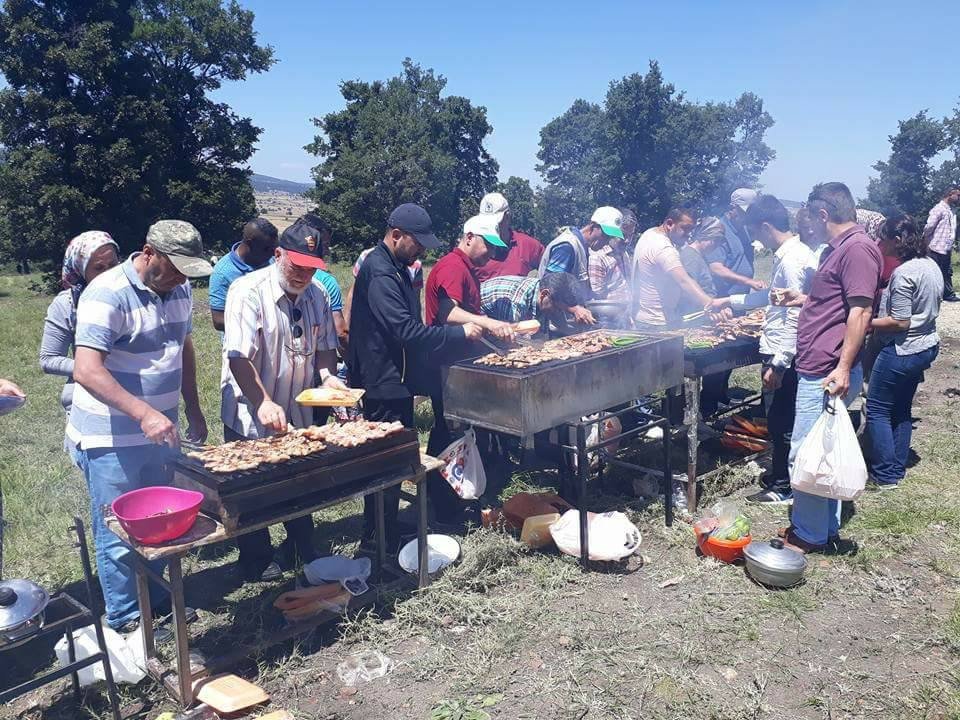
(496, 348)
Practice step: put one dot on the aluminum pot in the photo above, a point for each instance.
(773, 564)
(22, 603)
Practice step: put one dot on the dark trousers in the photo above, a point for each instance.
(889, 401)
(713, 391)
(256, 552)
(380, 410)
(781, 407)
(944, 262)
(445, 502)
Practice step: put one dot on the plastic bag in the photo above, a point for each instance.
(463, 467)
(364, 667)
(829, 462)
(610, 535)
(599, 431)
(126, 656)
(724, 521)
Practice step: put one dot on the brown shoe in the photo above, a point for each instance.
(795, 542)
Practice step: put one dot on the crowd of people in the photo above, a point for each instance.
(850, 292)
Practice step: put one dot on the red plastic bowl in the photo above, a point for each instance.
(153, 515)
(728, 551)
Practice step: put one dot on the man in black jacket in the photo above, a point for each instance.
(392, 354)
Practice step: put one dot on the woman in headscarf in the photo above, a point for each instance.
(87, 255)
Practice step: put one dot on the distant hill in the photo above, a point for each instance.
(265, 183)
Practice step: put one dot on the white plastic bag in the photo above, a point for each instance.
(829, 462)
(463, 467)
(599, 431)
(610, 535)
(126, 656)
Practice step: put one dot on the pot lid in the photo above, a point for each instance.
(774, 556)
(20, 601)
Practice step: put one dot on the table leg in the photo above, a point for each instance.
(691, 416)
(423, 576)
(146, 612)
(184, 673)
(381, 533)
(667, 407)
(72, 658)
(583, 464)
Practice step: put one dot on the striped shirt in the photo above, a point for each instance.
(510, 298)
(944, 224)
(259, 325)
(142, 335)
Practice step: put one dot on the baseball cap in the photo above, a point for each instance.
(743, 198)
(609, 219)
(486, 227)
(302, 241)
(494, 204)
(181, 242)
(415, 220)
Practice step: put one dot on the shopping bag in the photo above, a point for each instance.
(610, 535)
(829, 462)
(463, 467)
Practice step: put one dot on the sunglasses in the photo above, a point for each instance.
(295, 347)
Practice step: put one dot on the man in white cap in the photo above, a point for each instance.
(570, 251)
(731, 260)
(523, 251)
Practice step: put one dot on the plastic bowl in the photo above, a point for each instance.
(729, 551)
(153, 515)
(441, 551)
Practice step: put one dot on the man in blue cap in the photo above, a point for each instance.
(391, 353)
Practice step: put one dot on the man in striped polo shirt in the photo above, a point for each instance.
(134, 359)
(280, 339)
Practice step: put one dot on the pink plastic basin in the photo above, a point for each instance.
(153, 515)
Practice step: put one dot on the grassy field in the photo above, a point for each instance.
(510, 633)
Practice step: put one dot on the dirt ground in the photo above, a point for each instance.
(508, 633)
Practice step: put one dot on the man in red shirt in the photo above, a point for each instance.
(523, 251)
(452, 297)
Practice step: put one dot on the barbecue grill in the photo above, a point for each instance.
(524, 401)
(248, 497)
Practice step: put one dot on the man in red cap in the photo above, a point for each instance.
(279, 340)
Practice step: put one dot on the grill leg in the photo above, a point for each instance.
(667, 465)
(381, 532)
(72, 658)
(583, 464)
(691, 416)
(184, 673)
(423, 576)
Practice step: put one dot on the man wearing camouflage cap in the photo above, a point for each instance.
(134, 359)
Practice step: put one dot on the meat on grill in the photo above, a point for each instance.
(565, 348)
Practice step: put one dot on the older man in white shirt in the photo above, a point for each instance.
(794, 263)
(279, 340)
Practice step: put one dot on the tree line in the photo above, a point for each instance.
(107, 122)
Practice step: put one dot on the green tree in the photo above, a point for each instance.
(649, 147)
(399, 141)
(108, 123)
(907, 179)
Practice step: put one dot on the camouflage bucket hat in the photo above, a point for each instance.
(181, 242)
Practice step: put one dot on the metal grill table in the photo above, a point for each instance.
(207, 531)
(560, 393)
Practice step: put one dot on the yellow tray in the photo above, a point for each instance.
(325, 397)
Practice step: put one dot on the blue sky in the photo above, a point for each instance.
(835, 76)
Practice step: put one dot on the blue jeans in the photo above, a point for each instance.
(889, 425)
(815, 519)
(110, 472)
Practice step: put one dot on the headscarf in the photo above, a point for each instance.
(78, 255)
(709, 228)
(871, 222)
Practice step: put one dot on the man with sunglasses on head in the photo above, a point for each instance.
(134, 358)
(280, 339)
(393, 355)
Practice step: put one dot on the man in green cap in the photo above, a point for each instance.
(134, 359)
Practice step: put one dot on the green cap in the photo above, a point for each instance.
(181, 242)
(486, 227)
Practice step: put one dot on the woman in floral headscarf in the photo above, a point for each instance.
(88, 255)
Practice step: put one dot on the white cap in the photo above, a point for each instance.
(494, 204)
(487, 227)
(610, 220)
(743, 197)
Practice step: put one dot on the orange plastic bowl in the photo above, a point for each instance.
(728, 551)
